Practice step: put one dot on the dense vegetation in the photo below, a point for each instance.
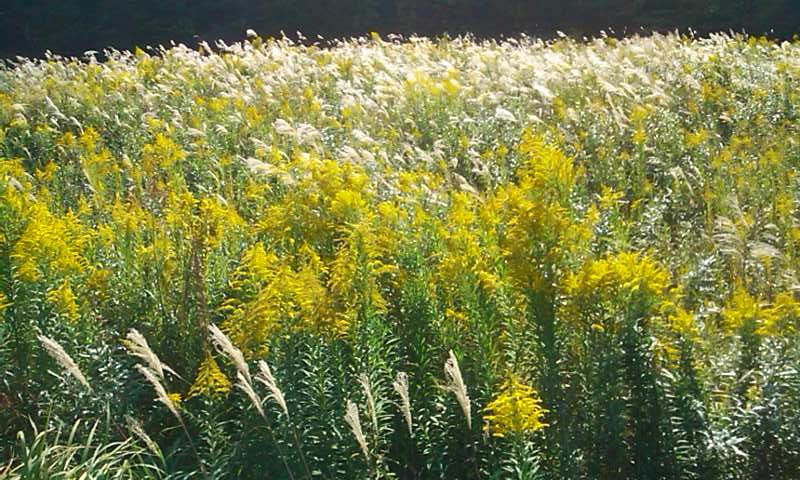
(30, 27)
(420, 259)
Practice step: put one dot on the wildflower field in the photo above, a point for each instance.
(410, 259)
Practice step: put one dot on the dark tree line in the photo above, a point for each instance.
(29, 27)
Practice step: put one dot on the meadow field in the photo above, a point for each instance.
(408, 258)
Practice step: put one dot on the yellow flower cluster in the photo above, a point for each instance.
(516, 409)
(614, 283)
(64, 301)
(470, 250)
(210, 380)
(267, 294)
(49, 245)
(4, 302)
(745, 313)
(623, 273)
(542, 228)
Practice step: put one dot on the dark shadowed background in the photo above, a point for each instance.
(70, 27)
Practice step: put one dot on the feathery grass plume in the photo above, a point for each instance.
(139, 347)
(400, 385)
(227, 348)
(363, 379)
(166, 399)
(58, 354)
(458, 387)
(247, 388)
(136, 428)
(265, 376)
(161, 392)
(352, 419)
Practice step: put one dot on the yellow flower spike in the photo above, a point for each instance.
(457, 317)
(683, 322)
(625, 274)
(161, 153)
(547, 165)
(697, 137)
(639, 136)
(210, 380)
(46, 173)
(598, 328)
(516, 409)
(348, 204)
(609, 198)
(49, 242)
(742, 309)
(175, 398)
(4, 302)
(64, 301)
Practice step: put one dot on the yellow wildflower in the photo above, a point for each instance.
(4, 301)
(163, 153)
(741, 311)
(47, 172)
(697, 137)
(609, 198)
(626, 272)
(49, 243)
(541, 228)
(745, 311)
(348, 204)
(639, 136)
(784, 314)
(218, 219)
(210, 380)
(175, 398)
(64, 301)
(516, 409)
(546, 166)
(683, 322)
(610, 284)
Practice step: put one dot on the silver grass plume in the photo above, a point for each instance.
(458, 387)
(161, 392)
(352, 419)
(363, 379)
(401, 387)
(247, 388)
(139, 347)
(136, 428)
(227, 348)
(62, 357)
(265, 376)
